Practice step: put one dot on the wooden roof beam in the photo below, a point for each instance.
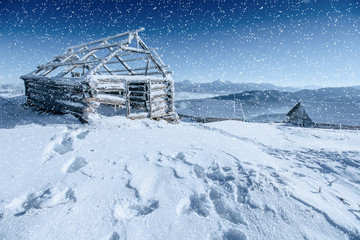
(103, 61)
(102, 46)
(146, 48)
(105, 39)
(66, 71)
(138, 69)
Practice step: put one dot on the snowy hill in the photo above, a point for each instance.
(140, 179)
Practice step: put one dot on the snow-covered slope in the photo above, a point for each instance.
(142, 179)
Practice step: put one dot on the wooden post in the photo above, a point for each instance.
(127, 99)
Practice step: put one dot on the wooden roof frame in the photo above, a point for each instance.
(120, 48)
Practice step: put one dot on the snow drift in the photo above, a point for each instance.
(141, 179)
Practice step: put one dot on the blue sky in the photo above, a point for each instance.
(287, 42)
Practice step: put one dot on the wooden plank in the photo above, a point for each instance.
(137, 93)
(68, 63)
(151, 73)
(157, 103)
(159, 114)
(135, 50)
(54, 95)
(160, 108)
(110, 100)
(73, 82)
(141, 88)
(52, 68)
(135, 69)
(138, 104)
(110, 87)
(158, 94)
(127, 100)
(57, 88)
(137, 98)
(158, 87)
(138, 115)
(57, 105)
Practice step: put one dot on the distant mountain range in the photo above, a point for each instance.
(226, 87)
(341, 94)
(221, 87)
(325, 105)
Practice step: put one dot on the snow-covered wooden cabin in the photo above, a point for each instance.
(297, 115)
(120, 70)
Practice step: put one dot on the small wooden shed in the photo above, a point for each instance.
(297, 115)
(119, 70)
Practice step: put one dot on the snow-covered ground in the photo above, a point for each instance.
(140, 179)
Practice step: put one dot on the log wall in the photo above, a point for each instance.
(59, 95)
(80, 97)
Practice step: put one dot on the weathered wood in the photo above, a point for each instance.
(140, 88)
(138, 116)
(49, 69)
(67, 70)
(110, 87)
(66, 63)
(160, 108)
(105, 39)
(61, 106)
(126, 66)
(108, 99)
(152, 73)
(155, 87)
(171, 91)
(135, 69)
(53, 95)
(103, 61)
(158, 94)
(121, 85)
(138, 104)
(159, 114)
(127, 100)
(53, 80)
(158, 103)
(57, 88)
(135, 50)
(138, 93)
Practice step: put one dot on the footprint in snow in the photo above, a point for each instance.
(65, 146)
(223, 210)
(82, 135)
(233, 234)
(74, 164)
(112, 236)
(48, 198)
(125, 210)
(199, 204)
